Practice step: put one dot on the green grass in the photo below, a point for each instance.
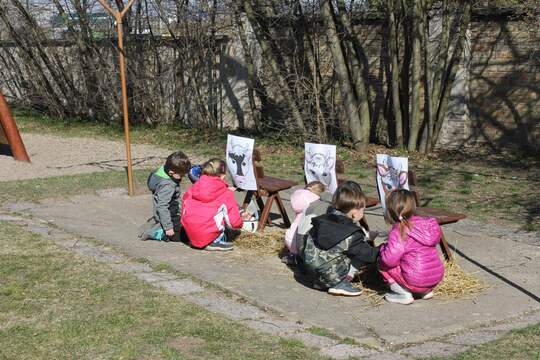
(57, 305)
(517, 345)
(163, 266)
(68, 185)
(315, 330)
(494, 188)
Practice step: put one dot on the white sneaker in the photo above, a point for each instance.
(425, 296)
(404, 299)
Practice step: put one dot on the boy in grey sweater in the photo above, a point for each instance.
(165, 187)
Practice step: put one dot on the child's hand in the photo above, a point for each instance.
(246, 216)
(232, 188)
(169, 232)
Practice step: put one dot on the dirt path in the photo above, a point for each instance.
(55, 156)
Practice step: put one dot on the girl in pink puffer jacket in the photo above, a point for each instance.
(409, 261)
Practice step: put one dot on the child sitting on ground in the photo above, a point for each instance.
(409, 261)
(208, 207)
(165, 187)
(336, 243)
(300, 200)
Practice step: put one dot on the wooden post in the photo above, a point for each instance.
(11, 132)
(118, 16)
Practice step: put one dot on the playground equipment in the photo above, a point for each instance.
(9, 134)
(118, 16)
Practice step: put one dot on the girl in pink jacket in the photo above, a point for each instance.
(409, 261)
(208, 207)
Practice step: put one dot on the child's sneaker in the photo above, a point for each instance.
(404, 299)
(399, 295)
(289, 259)
(220, 246)
(151, 231)
(425, 296)
(344, 288)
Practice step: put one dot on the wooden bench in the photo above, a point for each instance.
(269, 187)
(443, 217)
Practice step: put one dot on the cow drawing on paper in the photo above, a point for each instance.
(391, 178)
(320, 166)
(239, 162)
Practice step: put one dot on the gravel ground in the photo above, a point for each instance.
(54, 156)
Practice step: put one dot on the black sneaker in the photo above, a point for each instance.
(223, 246)
(344, 288)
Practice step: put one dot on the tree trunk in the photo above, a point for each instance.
(414, 124)
(359, 131)
(450, 73)
(262, 34)
(250, 67)
(362, 90)
(435, 67)
(394, 56)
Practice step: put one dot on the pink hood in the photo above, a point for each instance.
(300, 200)
(417, 254)
(207, 207)
(426, 231)
(208, 188)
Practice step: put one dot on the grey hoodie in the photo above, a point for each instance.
(316, 208)
(165, 195)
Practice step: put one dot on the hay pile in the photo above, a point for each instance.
(457, 283)
(269, 242)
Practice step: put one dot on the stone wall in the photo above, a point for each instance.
(504, 73)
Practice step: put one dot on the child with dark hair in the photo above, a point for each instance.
(165, 187)
(208, 207)
(336, 243)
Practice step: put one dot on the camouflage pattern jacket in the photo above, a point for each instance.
(332, 245)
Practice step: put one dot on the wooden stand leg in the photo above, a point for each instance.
(282, 210)
(265, 213)
(447, 252)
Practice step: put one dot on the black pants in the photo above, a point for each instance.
(175, 217)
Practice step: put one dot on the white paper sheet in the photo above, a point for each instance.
(392, 173)
(239, 156)
(320, 164)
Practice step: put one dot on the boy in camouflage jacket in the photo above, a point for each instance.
(336, 241)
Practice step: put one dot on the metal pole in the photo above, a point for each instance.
(12, 133)
(118, 16)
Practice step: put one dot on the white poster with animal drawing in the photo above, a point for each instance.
(239, 155)
(392, 173)
(320, 164)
